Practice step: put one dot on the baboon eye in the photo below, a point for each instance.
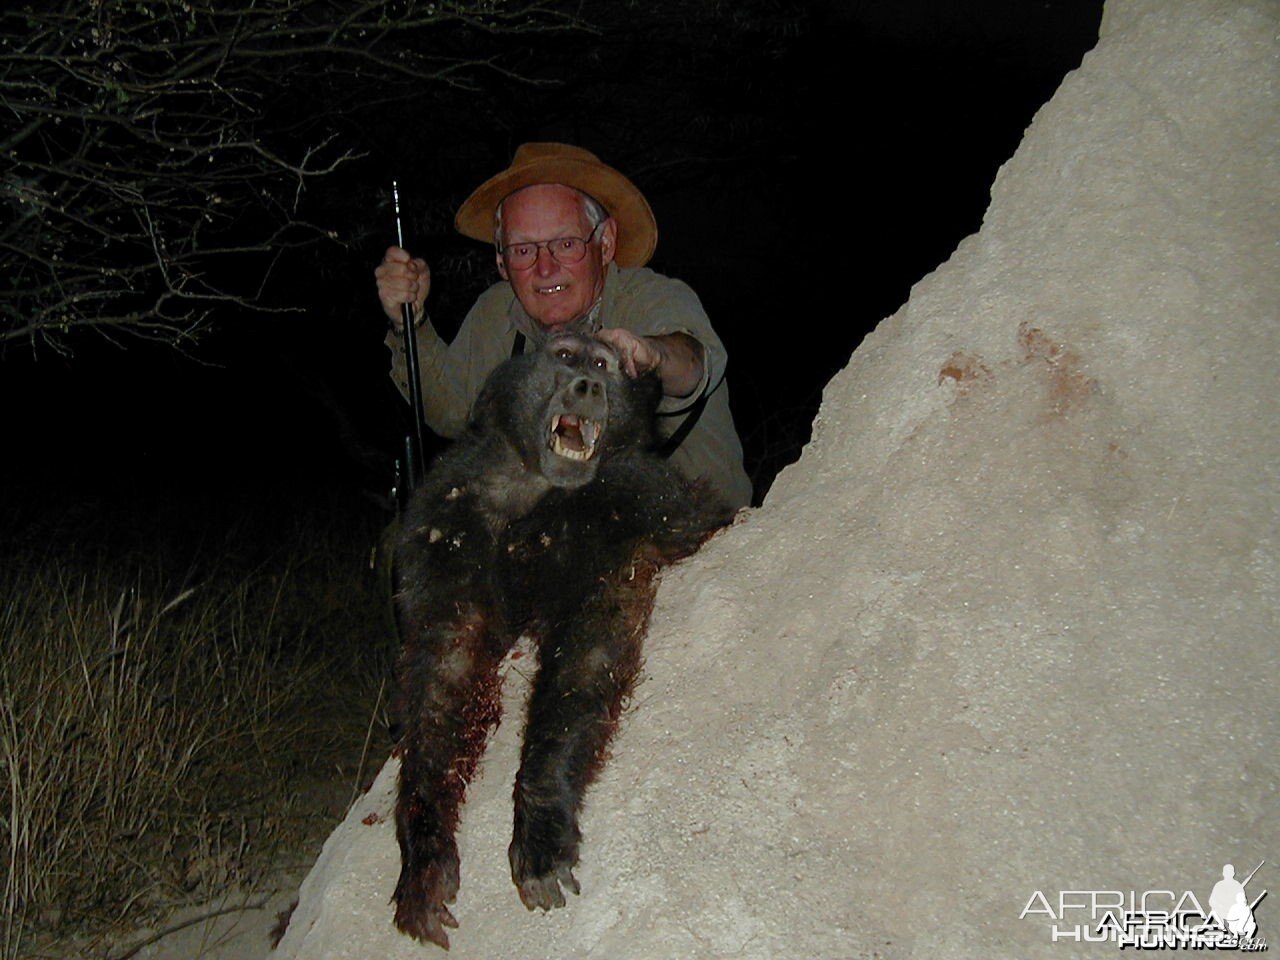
(564, 353)
(600, 363)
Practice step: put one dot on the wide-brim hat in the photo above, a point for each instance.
(574, 167)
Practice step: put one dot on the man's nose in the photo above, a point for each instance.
(545, 263)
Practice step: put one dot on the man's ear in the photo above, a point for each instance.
(608, 241)
(502, 265)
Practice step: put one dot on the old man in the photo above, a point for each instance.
(572, 237)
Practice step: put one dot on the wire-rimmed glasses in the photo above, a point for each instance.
(565, 250)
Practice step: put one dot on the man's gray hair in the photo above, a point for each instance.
(595, 212)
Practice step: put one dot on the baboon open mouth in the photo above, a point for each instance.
(574, 437)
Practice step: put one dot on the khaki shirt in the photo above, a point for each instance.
(639, 300)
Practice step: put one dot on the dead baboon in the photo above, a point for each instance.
(549, 518)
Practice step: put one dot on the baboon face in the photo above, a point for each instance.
(570, 405)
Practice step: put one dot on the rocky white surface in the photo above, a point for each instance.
(1009, 625)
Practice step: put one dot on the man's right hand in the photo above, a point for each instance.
(402, 279)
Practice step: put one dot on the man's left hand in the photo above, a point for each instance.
(638, 354)
(675, 357)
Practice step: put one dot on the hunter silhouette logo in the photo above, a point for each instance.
(1156, 919)
(1229, 905)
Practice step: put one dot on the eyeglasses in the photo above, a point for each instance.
(565, 250)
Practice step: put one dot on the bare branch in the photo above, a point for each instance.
(154, 173)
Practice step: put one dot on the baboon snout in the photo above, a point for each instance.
(586, 387)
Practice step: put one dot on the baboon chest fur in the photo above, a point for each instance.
(548, 518)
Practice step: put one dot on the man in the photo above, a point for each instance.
(572, 236)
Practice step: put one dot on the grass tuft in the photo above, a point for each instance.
(160, 732)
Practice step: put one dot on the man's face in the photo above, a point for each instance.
(554, 293)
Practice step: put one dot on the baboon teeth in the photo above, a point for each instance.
(574, 438)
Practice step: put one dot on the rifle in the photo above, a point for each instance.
(413, 445)
(1250, 876)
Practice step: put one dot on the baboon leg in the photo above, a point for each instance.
(450, 698)
(587, 671)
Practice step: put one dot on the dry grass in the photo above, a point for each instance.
(155, 730)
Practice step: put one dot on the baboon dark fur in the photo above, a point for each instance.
(508, 537)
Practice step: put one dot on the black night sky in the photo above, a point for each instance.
(804, 175)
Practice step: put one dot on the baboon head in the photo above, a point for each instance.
(568, 407)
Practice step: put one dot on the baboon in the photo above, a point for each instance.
(549, 518)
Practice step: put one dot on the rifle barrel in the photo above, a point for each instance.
(414, 443)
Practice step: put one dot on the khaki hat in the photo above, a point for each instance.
(573, 167)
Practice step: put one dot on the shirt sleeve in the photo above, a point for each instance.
(652, 305)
